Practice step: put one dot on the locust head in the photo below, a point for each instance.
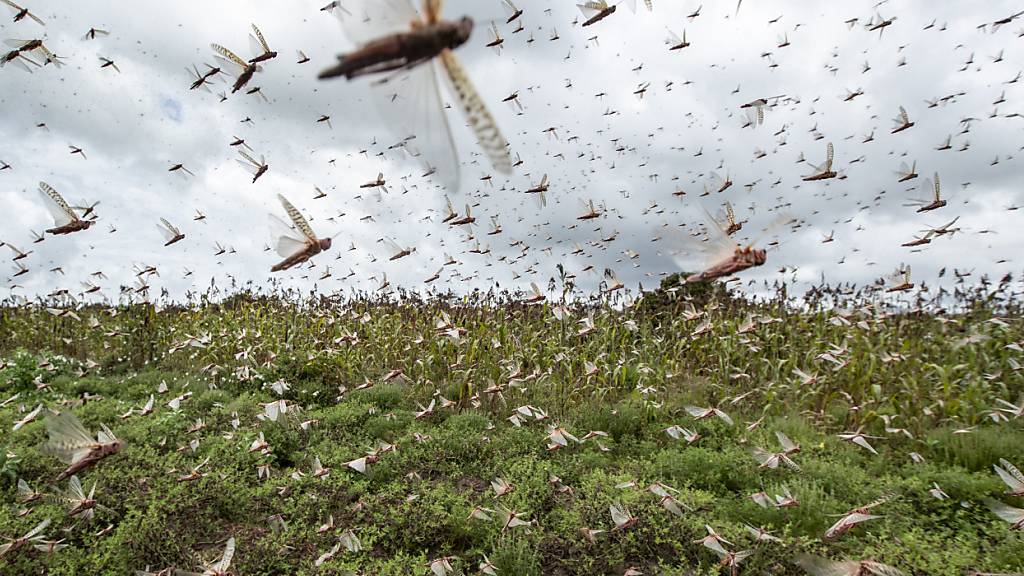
(462, 30)
(325, 244)
(113, 447)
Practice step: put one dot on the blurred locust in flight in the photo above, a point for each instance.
(295, 251)
(392, 37)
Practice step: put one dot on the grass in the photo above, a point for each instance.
(631, 377)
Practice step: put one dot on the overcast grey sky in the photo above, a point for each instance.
(628, 153)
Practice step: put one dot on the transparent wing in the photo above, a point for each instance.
(69, 440)
(262, 40)
(1010, 475)
(285, 243)
(393, 246)
(39, 528)
(510, 8)
(1005, 511)
(477, 114)
(168, 230)
(719, 245)
(685, 248)
(591, 9)
(230, 67)
(229, 553)
(926, 190)
(59, 209)
(298, 219)
(618, 515)
(230, 57)
(784, 440)
(714, 545)
(762, 456)
(75, 488)
(106, 435)
(249, 163)
(410, 103)
(255, 47)
(372, 19)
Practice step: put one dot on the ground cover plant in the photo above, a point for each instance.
(681, 432)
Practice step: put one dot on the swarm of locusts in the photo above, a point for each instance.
(685, 428)
(747, 432)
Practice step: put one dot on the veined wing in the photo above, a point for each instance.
(105, 435)
(234, 65)
(229, 55)
(479, 117)
(298, 219)
(1010, 475)
(432, 10)
(168, 230)
(510, 8)
(719, 245)
(927, 191)
(250, 163)
(373, 19)
(393, 246)
(1005, 511)
(75, 491)
(58, 207)
(619, 515)
(592, 8)
(39, 528)
(14, 43)
(262, 40)
(785, 442)
(285, 243)
(711, 248)
(69, 440)
(411, 104)
(714, 545)
(229, 553)
(255, 46)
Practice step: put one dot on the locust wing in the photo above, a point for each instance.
(372, 19)
(58, 207)
(229, 552)
(168, 230)
(285, 243)
(479, 117)
(411, 105)
(298, 219)
(229, 60)
(69, 440)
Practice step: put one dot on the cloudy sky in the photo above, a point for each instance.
(628, 153)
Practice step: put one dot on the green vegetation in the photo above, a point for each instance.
(364, 372)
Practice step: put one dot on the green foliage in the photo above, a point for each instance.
(20, 372)
(631, 377)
